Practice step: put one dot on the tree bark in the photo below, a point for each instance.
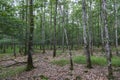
(107, 45)
(54, 46)
(51, 43)
(116, 27)
(90, 29)
(70, 53)
(14, 47)
(26, 30)
(30, 43)
(43, 28)
(101, 27)
(85, 37)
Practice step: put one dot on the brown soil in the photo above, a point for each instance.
(55, 72)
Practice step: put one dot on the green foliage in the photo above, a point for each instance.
(43, 77)
(14, 25)
(95, 61)
(79, 59)
(9, 50)
(9, 72)
(98, 60)
(59, 52)
(61, 62)
(116, 61)
(4, 56)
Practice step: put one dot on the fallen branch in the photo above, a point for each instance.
(17, 63)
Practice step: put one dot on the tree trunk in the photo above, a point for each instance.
(101, 28)
(107, 46)
(51, 43)
(86, 46)
(90, 29)
(63, 49)
(30, 43)
(26, 29)
(43, 28)
(63, 24)
(14, 48)
(116, 27)
(54, 46)
(70, 53)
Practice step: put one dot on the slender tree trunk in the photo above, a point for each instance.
(43, 28)
(70, 53)
(59, 28)
(14, 47)
(4, 49)
(62, 13)
(54, 51)
(63, 34)
(107, 45)
(79, 38)
(51, 43)
(26, 30)
(50, 26)
(63, 37)
(86, 46)
(116, 27)
(72, 35)
(101, 27)
(90, 29)
(30, 43)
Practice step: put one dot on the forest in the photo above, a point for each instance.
(59, 40)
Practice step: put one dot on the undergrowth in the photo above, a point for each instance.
(9, 72)
(95, 61)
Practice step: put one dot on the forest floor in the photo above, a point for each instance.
(45, 70)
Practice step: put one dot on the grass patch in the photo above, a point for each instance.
(95, 61)
(98, 61)
(43, 77)
(116, 61)
(12, 71)
(61, 62)
(59, 52)
(79, 59)
(4, 55)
